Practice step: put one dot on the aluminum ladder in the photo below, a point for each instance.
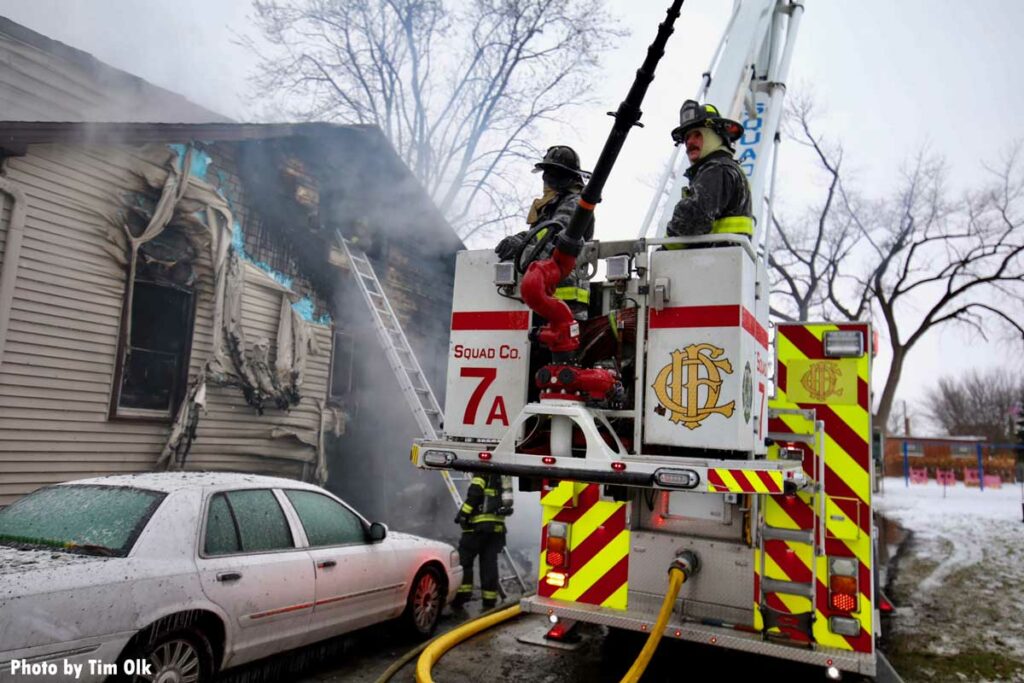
(411, 379)
(812, 434)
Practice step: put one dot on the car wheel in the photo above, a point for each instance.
(423, 608)
(176, 657)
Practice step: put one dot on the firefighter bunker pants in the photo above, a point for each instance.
(486, 545)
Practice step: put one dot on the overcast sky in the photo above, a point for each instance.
(891, 77)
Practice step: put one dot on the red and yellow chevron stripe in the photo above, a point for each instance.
(598, 542)
(838, 391)
(725, 480)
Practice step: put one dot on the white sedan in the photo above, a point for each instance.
(173, 576)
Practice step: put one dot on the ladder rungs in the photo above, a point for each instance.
(788, 587)
(771, 533)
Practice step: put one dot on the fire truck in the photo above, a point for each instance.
(677, 425)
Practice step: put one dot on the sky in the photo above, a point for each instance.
(889, 78)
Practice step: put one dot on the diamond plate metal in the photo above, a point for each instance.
(698, 633)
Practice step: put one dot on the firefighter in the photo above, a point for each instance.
(550, 214)
(718, 198)
(482, 518)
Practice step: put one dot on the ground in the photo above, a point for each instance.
(958, 584)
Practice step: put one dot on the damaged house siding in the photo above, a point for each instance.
(58, 364)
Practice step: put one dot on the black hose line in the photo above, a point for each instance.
(627, 116)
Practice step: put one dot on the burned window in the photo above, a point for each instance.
(342, 357)
(157, 324)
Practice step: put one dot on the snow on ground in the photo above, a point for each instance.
(959, 585)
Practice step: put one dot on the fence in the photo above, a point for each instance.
(973, 462)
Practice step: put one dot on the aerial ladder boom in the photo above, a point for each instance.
(746, 81)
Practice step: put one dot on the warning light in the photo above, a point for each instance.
(679, 634)
(556, 579)
(714, 639)
(842, 602)
(618, 466)
(548, 460)
(485, 455)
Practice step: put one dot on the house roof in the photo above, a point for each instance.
(44, 79)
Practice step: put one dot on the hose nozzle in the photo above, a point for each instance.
(687, 562)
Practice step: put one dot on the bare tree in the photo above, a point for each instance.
(976, 404)
(459, 88)
(913, 261)
(807, 249)
(932, 261)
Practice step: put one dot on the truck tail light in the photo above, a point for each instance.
(842, 584)
(557, 554)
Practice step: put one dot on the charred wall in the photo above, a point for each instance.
(60, 354)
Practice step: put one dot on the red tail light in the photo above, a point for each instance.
(556, 555)
(842, 593)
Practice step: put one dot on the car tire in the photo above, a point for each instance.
(182, 656)
(423, 606)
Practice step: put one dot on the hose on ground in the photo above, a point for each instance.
(399, 663)
(676, 577)
(442, 644)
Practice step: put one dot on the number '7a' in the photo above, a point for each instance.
(498, 413)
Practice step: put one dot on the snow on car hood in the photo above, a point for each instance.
(411, 540)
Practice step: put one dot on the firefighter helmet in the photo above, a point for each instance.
(695, 115)
(561, 157)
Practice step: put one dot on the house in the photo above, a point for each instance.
(172, 296)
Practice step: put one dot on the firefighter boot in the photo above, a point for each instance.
(462, 597)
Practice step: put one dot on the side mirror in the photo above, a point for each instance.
(378, 532)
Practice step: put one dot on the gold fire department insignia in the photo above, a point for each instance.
(678, 385)
(822, 380)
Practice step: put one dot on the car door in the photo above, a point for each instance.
(250, 566)
(356, 579)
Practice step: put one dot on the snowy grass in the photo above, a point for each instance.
(959, 586)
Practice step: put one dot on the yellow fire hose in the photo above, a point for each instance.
(676, 577)
(682, 567)
(442, 644)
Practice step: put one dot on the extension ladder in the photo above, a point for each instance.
(411, 379)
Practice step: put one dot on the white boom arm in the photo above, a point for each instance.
(746, 81)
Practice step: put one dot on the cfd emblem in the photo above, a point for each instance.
(678, 385)
(822, 379)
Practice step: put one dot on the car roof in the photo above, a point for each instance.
(177, 481)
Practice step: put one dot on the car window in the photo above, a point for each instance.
(103, 520)
(260, 522)
(221, 534)
(326, 521)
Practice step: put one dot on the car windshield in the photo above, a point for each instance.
(100, 520)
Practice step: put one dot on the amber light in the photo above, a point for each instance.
(843, 584)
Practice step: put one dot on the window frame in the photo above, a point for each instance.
(299, 544)
(339, 337)
(363, 522)
(115, 411)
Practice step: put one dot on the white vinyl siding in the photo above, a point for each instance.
(58, 367)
